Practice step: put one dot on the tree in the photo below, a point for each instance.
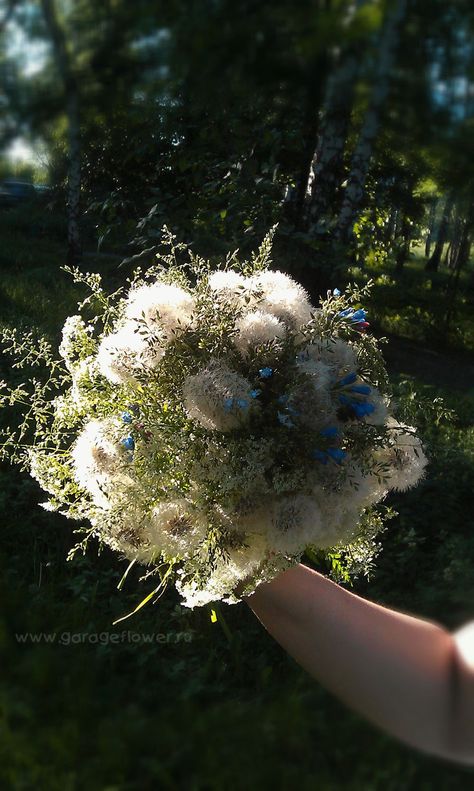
(354, 192)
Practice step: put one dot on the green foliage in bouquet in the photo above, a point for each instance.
(213, 425)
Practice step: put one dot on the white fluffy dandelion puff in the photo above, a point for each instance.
(175, 529)
(75, 334)
(339, 356)
(257, 328)
(380, 404)
(295, 522)
(283, 298)
(312, 398)
(228, 286)
(98, 460)
(164, 308)
(125, 352)
(217, 397)
(404, 457)
(239, 564)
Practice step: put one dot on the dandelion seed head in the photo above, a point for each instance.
(404, 456)
(207, 396)
(283, 298)
(164, 308)
(98, 460)
(125, 352)
(256, 328)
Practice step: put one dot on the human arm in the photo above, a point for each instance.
(406, 675)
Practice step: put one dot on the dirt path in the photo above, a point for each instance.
(444, 368)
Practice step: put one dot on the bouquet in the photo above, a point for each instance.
(212, 425)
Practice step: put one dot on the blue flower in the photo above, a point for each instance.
(129, 443)
(361, 389)
(255, 393)
(126, 417)
(347, 380)
(228, 404)
(362, 410)
(337, 454)
(242, 403)
(343, 314)
(336, 292)
(359, 315)
(330, 432)
(265, 373)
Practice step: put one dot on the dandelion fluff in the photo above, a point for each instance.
(404, 457)
(231, 290)
(295, 522)
(217, 397)
(257, 328)
(164, 308)
(312, 397)
(176, 528)
(379, 416)
(124, 353)
(283, 297)
(74, 333)
(336, 354)
(239, 564)
(98, 460)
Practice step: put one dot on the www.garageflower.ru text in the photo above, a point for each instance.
(104, 638)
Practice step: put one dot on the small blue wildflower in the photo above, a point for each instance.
(242, 403)
(336, 293)
(361, 389)
(347, 380)
(129, 443)
(359, 315)
(126, 417)
(362, 410)
(345, 400)
(337, 454)
(330, 432)
(228, 404)
(266, 373)
(255, 393)
(343, 314)
(285, 420)
(319, 455)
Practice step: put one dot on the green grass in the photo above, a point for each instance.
(228, 709)
(413, 304)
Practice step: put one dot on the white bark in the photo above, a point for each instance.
(355, 189)
(72, 107)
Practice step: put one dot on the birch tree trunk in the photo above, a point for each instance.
(72, 107)
(326, 173)
(431, 227)
(462, 259)
(355, 189)
(327, 166)
(432, 265)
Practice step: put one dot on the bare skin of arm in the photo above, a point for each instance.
(410, 677)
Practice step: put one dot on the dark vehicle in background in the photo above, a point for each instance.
(13, 192)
